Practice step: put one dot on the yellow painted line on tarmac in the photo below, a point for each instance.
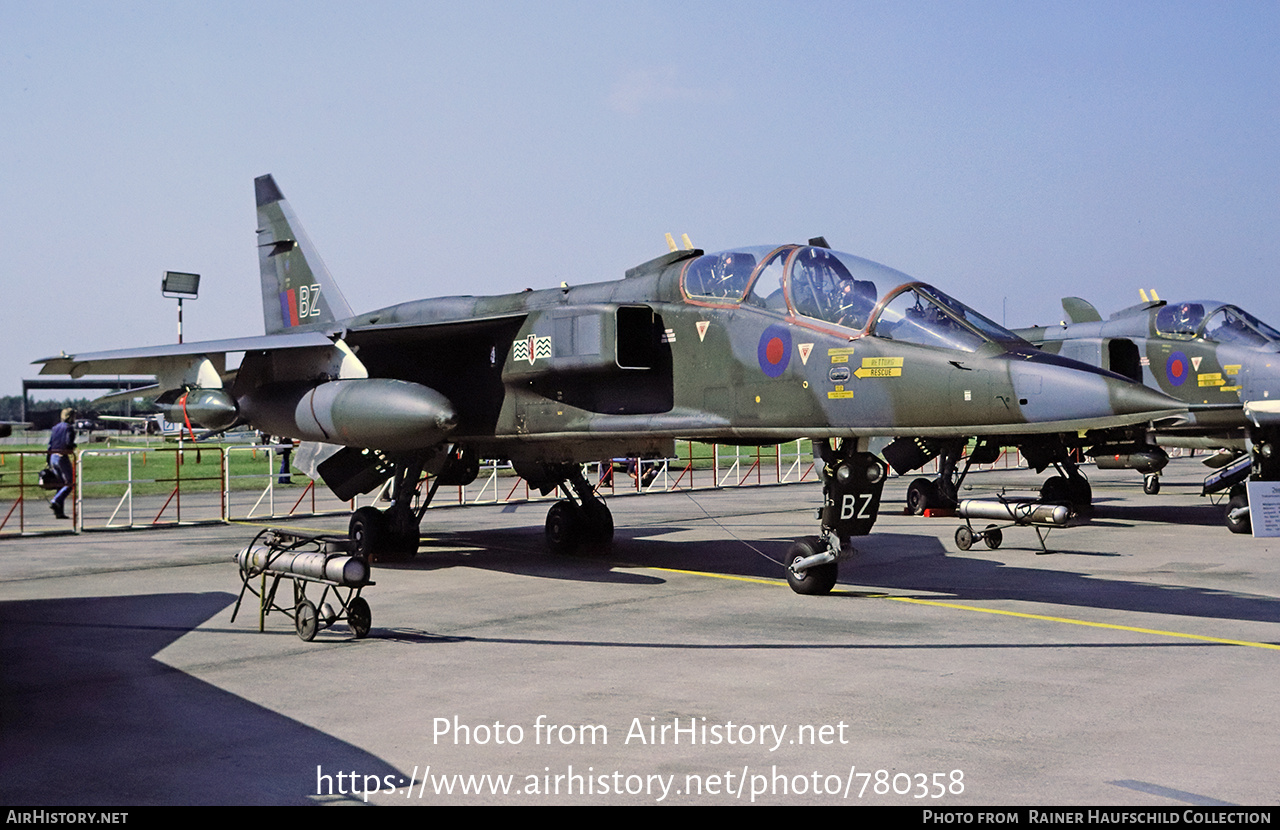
(1042, 617)
(757, 580)
(327, 530)
(1069, 621)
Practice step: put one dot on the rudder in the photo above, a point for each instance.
(298, 292)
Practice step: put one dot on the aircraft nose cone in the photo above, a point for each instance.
(1135, 399)
(1087, 397)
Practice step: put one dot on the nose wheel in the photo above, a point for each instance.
(852, 481)
(1238, 518)
(815, 579)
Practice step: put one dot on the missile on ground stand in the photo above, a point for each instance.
(339, 568)
(1022, 512)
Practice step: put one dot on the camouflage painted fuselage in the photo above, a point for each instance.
(754, 345)
(612, 368)
(1214, 357)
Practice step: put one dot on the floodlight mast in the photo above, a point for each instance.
(180, 285)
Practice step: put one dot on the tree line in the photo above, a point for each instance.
(44, 413)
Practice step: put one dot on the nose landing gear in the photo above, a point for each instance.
(852, 480)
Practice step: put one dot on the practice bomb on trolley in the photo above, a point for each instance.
(301, 559)
(1041, 515)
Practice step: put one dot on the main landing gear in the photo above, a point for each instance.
(1261, 463)
(1238, 518)
(942, 492)
(580, 522)
(852, 480)
(1068, 487)
(395, 531)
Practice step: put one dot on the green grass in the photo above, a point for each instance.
(157, 469)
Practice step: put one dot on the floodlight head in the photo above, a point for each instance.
(180, 285)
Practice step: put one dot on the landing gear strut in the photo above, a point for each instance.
(376, 532)
(580, 521)
(852, 480)
(1264, 451)
(942, 492)
(1069, 487)
(1238, 517)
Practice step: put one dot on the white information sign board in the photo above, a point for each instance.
(1264, 507)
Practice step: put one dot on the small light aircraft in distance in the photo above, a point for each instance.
(1219, 360)
(750, 346)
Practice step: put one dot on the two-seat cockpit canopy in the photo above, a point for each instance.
(1218, 321)
(827, 288)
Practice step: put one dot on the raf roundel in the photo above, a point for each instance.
(1177, 368)
(774, 351)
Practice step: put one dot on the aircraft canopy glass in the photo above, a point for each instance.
(838, 289)
(1222, 323)
(1180, 320)
(922, 314)
(1230, 324)
(816, 283)
(723, 276)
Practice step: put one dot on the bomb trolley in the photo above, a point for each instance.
(303, 558)
(1043, 516)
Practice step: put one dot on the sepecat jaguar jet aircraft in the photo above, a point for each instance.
(751, 346)
(1218, 359)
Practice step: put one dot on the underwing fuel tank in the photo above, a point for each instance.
(373, 413)
(205, 408)
(1144, 461)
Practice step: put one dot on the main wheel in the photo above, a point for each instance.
(1056, 489)
(369, 533)
(405, 544)
(306, 620)
(814, 581)
(597, 526)
(1151, 484)
(359, 617)
(964, 537)
(1079, 492)
(921, 495)
(564, 527)
(1243, 524)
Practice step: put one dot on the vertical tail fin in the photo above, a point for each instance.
(298, 292)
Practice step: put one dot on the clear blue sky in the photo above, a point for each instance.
(1010, 153)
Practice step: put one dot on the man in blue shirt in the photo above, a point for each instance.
(62, 443)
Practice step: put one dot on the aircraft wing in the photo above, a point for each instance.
(445, 329)
(153, 360)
